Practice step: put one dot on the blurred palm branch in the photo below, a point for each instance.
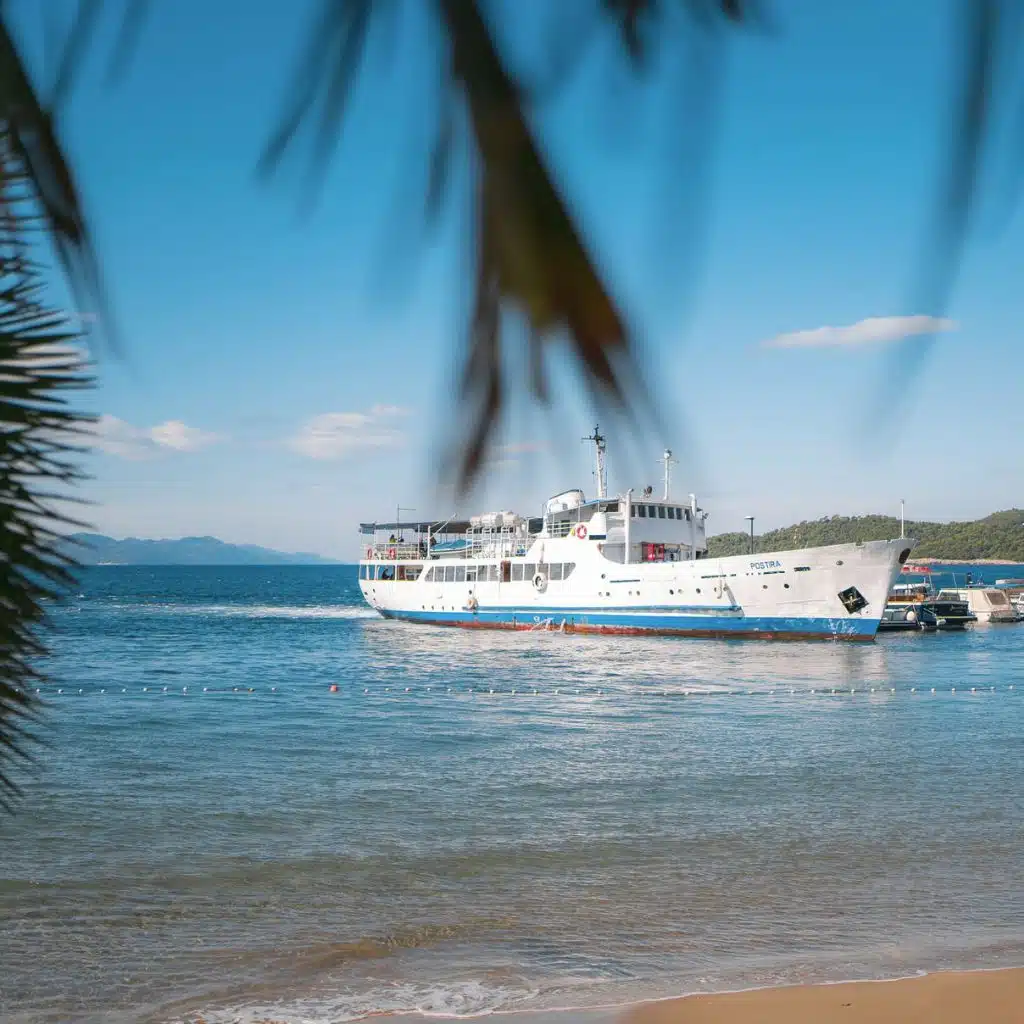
(531, 258)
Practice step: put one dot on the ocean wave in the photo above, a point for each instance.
(248, 611)
(272, 611)
(455, 999)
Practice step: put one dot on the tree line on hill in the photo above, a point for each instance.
(998, 536)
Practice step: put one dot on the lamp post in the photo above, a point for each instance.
(750, 519)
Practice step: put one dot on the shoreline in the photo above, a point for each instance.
(992, 995)
(963, 561)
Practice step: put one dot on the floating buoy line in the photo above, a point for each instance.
(392, 692)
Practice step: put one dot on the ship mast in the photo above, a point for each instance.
(669, 462)
(598, 440)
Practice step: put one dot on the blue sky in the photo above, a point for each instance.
(287, 372)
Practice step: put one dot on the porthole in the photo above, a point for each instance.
(671, 591)
(786, 585)
(839, 562)
(764, 586)
(698, 590)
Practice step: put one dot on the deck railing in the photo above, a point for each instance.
(394, 551)
(484, 544)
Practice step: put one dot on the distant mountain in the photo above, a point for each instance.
(999, 536)
(97, 549)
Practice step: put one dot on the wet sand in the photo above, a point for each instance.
(974, 997)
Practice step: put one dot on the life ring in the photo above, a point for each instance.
(540, 583)
(369, 552)
(391, 552)
(581, 531)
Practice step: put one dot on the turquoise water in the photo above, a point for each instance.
(213, 833)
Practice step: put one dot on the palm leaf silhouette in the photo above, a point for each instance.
(40, 365)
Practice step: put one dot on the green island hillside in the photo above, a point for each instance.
(999, 536)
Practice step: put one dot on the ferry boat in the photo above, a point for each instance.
(628, 564)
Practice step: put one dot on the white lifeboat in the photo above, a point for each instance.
(565, 501)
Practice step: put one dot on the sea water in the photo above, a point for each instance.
(479, 822)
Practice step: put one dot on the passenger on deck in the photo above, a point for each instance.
(391, 539)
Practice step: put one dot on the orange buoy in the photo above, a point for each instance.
(334, 688)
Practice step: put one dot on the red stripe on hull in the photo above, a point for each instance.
(695, 634)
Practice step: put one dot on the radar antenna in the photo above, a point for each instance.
(669, 463)
(598, 440)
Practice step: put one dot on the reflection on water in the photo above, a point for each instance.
(455, 657)
(293, 854)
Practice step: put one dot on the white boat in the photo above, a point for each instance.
(989, 604)
(630, 564)
(1014, 589)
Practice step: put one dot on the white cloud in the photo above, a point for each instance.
(334, 435)
(181, 437)
(873, 330)
(117, 437)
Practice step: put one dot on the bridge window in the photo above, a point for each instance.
(642, 509)
(661, 511)
(632, 512)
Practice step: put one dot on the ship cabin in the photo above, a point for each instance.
(630, 529)
(623, 530)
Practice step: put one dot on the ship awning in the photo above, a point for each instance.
(417, 526)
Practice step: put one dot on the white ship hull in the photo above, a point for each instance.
(836, 592)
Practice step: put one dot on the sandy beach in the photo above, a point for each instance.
(974, 997)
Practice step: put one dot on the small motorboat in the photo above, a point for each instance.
(988, 604)
(916, 606)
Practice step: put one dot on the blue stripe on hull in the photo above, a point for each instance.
(649, 621)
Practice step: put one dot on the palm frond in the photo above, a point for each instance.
(988, 45)
(31, 140)
(531, 258)
(40, 364)
(40, 437)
